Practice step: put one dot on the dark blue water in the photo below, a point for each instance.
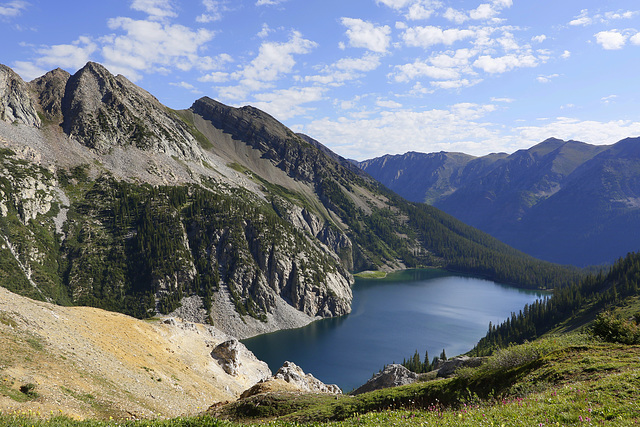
(391, 319)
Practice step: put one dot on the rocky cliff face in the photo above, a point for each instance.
(15, 103)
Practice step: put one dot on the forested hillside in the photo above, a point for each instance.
(573, 307)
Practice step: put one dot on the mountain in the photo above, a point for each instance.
(563, 201)
(215, 214)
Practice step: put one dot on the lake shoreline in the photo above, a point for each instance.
(408, 310)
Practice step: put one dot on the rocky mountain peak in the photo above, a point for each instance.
(289, 152)
(15, 103)
(101, 111)
(49, 91)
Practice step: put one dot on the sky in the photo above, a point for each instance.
(363, 77)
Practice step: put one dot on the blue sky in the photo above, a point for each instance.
(364, 77)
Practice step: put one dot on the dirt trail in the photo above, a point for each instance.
(87, 362)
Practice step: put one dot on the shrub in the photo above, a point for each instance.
(29, 390)
(614, 329)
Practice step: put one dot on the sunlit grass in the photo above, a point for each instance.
(557, 381)
(371, 274)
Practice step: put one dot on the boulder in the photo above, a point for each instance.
(391, 376)
(228, 356)
(447, 368)
(291, 378)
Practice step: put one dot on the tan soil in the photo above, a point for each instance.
(89, 363)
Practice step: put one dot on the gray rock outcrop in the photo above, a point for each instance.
(293, 374)
(291, 378)
(232, 356)
(15, 102)
(393, 375)
(447, 368)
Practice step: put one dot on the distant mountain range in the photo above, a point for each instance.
(562, 201)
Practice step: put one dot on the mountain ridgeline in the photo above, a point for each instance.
(218, 214)
(562, 201)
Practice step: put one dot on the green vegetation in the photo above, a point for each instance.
(371, 274)
(572, 307)
(565, 380)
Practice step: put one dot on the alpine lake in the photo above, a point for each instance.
(391, 318)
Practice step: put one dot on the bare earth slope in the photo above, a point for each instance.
(86, 362)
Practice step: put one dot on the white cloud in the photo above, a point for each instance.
(346, 69)
(582, 19)
(461, 127)
(12, 8)
(506, 100)
(367, 135)
(566, 54)
(269, 2)
(265, 31)
(275, 59)
(213, 9)
(215, 77)
(218, 62)
(287, 103)
(628, 14)
(72, 56)
(418, 69)
(368, 62)
(28, 70)
(503, 3)
(156, 9)
(366, 35)
(395, 4)
(484, 12)
(272, 62)
(387, 103)
(547, 79)
(456, 16)
(185, 85)
(508, 42)
(505, 63)
(539, 39)
(608, 99)
(428, 36)
(588, 131)
(455, 84)
(149, 45)
(635, 39)
(611, 40)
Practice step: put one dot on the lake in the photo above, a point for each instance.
(391, 319)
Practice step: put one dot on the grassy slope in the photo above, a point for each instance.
(567, 380)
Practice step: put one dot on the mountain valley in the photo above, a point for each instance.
(185, 229)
